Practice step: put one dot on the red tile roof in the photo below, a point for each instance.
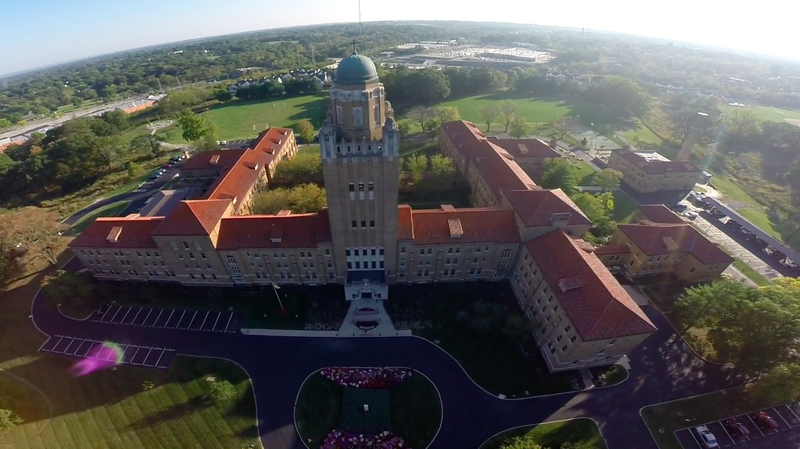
(659, 213)
(237, 181)
(607, 250)
(536, 207)
(196, 217)
(273, 139)
(501, 173)
(660, 239)
(136, 233)
(405, 227)
(433, 226)
(271, 231)
(526, 147)
(597, 305)
(225, 159)
(658, 167)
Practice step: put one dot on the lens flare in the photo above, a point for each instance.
(99, 358)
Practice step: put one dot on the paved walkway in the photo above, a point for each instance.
(662, 369)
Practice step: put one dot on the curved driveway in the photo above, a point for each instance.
(663, 369)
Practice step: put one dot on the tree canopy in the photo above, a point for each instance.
(301, 199)
(559, 173)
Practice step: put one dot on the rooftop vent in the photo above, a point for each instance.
(523, 149)
(456, 231)
(570, 283)
(670, 243)
(560, 218)
(113, 236)
(448, 207)
(214, 159)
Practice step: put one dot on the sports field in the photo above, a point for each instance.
(245, 119)
(765, 112)
(535, 111)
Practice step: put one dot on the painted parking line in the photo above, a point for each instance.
(174, 319)
(195, 324)
(229, 323)
(778, 412)
(694, 437)
(755, 425)
(114, 354)
(185, 319)
(63, 343)
(204, 320)
(133, 321)
(126, 315)
(192, 320)
(83, 349)
(48, 345)
(140, 355)
(126, 352)
(151, 317)
(169, 318)
(153, 357)
(104, 315)
(165, 358)
(728, 434)
(160, 312)
(789, 407)
(161, 321)
(146, 356)
(134, 354)
(149, 312)
(720, 433)
(215, 323)
(75, 347)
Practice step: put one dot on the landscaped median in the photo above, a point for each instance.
(581, 433)
(354, 408)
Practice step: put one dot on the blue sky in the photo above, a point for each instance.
(34, 33)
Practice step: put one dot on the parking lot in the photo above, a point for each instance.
(147, 356)
(786, 436)
(193, 320)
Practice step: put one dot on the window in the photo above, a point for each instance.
(478, 249)
(302, 254)
(449, 250)
(475, 260)
(502, 264)
(563, 348)
(349, 265)
(380, 251)
(185, 245)
(347, 252)
(372, 225)
(363, 223)
(692, 270)
(506, 253)
(191, 256)
(203, 256)
(355, 224)
(611, 342)
(357, 119)
(330, 265)
(559, 338)
(402, 250)
(231, 260)
(339, 115)
(356, 253)
(352, 187)
(380, 265)
(358, 265)
(328, 252)
(573, 338)
(568, 328)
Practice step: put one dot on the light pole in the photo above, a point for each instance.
(275, 288)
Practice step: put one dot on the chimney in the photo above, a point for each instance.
(456, 231)
(113, 236)
(523, 149)
(570, 283)
(214, 159)
(701, 122)
(560, 219)
(284, 213)
(448, 207)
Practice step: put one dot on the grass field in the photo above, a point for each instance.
(535, 111)
(673, 416)
(235, 120)
(109, 409)
(765, 112)
(553, 435)
(754, 275)
(585, 173)
(624, 207)
(643, 134)
(110, 210)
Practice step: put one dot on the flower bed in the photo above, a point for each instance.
(373, 378)
(342, 439)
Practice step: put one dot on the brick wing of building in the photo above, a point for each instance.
(651, 173)
(365, 241)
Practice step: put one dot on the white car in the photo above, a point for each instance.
(690, 214)
(705, 437)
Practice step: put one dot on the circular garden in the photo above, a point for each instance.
(355, 408)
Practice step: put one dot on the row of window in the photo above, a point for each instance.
(357, 264)
(363, 224)
(456, 250)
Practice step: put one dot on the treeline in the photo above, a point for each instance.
(69, 157)
(407, 88)
(270, 89)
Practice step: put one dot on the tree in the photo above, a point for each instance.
(560, 174)
(519, 127)
(305, 130)
(445, 114)
(488, 113)
(75, 294)
(223, 94)
(194, 126)
(742, 128)
(509, 111)
(5, 123)
(779, 384)
(425, 117)
(403, 129)
(301, 199)
(428, 86)
(608, 179)
(133, 169)
(416, 164)
(597, 208)
(302, 169)
(146, 145)
(38, 232)
(8, 420)
(441, 164)
(222, 391)
(521, 443)
(622, 96)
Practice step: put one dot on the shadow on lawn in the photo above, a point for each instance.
(195, 404)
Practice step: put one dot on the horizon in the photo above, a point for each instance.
(171, 26)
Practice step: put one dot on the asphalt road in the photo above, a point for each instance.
(663, 368)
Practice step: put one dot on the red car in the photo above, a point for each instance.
(735, 429)
(166, 166)
(765, 422)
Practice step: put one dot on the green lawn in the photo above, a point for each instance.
(585, 172)
(624, 207)
(413, 410)
(553, 435)
(754, 275)
(110, 408)
(764, 112)
(535, 111)
(643, 134)
(245, 119)
(110, 210)
(677, 415)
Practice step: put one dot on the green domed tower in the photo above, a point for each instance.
(360, 149)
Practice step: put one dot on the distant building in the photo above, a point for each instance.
(652, 172)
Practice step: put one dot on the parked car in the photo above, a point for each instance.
(705, 437)
(735, 429)
(678, 207)
(167, 166)
(691, 215)
(765, 422)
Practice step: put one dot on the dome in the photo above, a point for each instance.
(356, 69)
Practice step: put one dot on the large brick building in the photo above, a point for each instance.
(366, 241)
(651, 173)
